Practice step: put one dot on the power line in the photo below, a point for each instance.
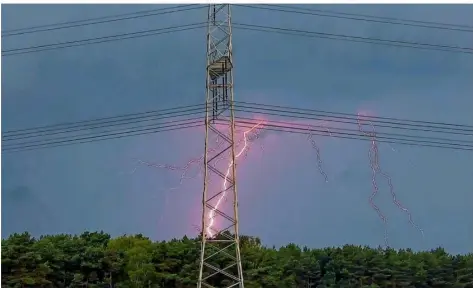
(358, 39)
(34, 143)
(413, 125)
(103, 39)
(99, 126)
(100, 20)
(244, 123)
(150, 129)
(391, 18)
(338, 117)
(103, 122)
(374, 118)
(263, 109)
(362, 17)
(268, 7)
(332, 119)
(300, 112)
(240, 26)
(332, 129)
(355, 135)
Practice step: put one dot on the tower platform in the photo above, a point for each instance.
(220, 67)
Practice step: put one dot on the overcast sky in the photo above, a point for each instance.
(283, 196)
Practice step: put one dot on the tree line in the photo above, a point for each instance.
(95, 259)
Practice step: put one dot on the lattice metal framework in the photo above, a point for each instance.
(220, 261)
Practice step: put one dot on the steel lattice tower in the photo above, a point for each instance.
(220, 260)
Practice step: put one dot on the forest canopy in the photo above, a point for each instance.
(94, 259)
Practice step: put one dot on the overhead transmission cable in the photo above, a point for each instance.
(267, 111)
(260, 109)
(124, 119)
(238, 26)
(361, 17)
(355, 136)
(145, 130)
(350, 38)
(347, 118)
(333, 132)
(245, 123)
(421, 139)
(100, 133)
(100, 20)
(238, 105)
(268, 7)
(103, 39)
(299, 113)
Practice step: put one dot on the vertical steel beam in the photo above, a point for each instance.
(220, 261)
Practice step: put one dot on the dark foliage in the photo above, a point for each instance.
(97, 260)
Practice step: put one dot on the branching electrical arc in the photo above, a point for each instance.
(376, 170)
(198, 161)
(319, 158)
(251, 135)
(184, 169)
(211, 215)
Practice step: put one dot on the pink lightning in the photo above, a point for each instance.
(253, 134)
(211, 215)
(197, 160)
(376, 170)
(249, 136)
(317, 150)
(184, 169)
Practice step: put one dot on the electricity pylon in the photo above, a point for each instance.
(220, 261)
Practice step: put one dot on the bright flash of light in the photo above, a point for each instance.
(211, 215)
(218, 142)
(376, 170)
(251, 136)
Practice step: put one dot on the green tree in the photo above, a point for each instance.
(94, 259)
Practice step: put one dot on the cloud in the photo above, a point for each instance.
(283, 196)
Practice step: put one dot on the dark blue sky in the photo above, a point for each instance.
(283, 198)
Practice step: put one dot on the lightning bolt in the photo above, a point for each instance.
(319, 159)
(211, 215)
(248, 136)
(184, 169)
(255, 135)
(376, 170)
(196, 160)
